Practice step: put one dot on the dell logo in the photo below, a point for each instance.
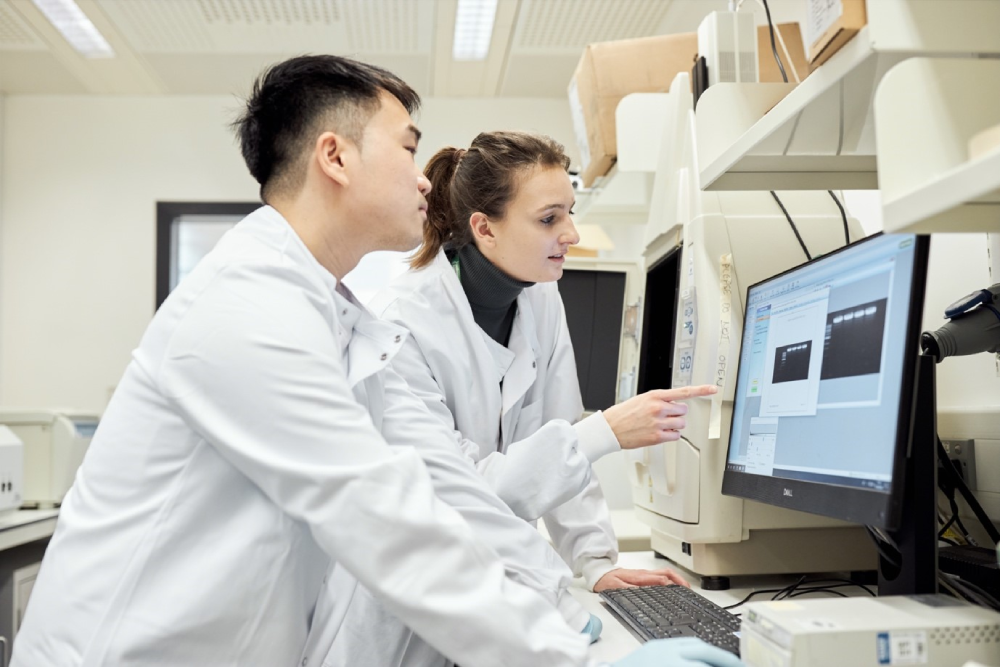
(787, 492)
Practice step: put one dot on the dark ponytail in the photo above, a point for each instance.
(483, 179)
(441, 226)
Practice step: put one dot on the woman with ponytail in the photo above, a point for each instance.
(489, 353)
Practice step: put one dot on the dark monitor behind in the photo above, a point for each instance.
(659, 320)
(594, 302)
(825, 386)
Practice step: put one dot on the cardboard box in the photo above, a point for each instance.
(830, 24)
(768, 71)
(608, 71)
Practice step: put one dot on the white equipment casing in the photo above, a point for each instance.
(676, 487)
(932, 630)
(728, 41)
(54, 444)
(11, 470)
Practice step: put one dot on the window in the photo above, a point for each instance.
(186, 232)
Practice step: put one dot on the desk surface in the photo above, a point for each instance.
(617, 640)
(23, 526)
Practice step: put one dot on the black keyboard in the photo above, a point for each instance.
(662, 612)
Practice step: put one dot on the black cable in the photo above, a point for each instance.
(820, 589)
(958, 522)
(843, 584)
(946, 526)
(892, 556)
(783, 593)
(958, 582)
(792, 223)
(752, 595)
(774, 49)
(843, 216)
(949, 467)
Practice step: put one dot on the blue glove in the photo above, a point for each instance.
(682, 652)
(593, 628)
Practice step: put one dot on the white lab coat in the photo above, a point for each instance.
(522, 438)
(236, 458)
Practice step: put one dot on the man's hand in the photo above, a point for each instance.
(622, 578)
(654, 417)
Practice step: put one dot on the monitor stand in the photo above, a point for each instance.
(916, 537)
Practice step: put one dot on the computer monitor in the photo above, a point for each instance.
(825, 385)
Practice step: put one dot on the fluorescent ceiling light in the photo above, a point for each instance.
(473, 29)
(74, 25)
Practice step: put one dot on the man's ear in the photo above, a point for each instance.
(332, 152)
(481, 229)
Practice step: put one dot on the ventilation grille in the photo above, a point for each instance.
(572, 24)
(386, 26)
(983, 634)
(280, 27)
(270, 12)
(15, 33)
(154, 26)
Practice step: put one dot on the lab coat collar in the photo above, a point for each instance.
(367, 344)
(502, 357)
(515, 364)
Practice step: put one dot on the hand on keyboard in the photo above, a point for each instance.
(593, 628)
(685, 652)
(624, 578)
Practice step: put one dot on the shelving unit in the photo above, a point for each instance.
(928, 182)
(622, 195)
(820, 134)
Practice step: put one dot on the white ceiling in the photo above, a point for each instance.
(219, 46)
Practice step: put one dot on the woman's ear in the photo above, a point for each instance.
(482, 232)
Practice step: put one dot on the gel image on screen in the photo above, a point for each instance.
(821, 368)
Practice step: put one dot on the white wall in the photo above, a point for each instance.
(959, 264)
(81, 178)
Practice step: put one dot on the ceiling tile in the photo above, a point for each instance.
(569, 25)
(538, 75)
(223, 74)
(274, 26)
(15, 33)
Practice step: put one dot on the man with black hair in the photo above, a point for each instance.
(241, 471)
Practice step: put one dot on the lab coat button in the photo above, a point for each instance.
(398, 338)
(533, 364)
(305, 661)
(384, 356)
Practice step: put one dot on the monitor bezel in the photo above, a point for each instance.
(852, 504)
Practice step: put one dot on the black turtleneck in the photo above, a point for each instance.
(491, 293)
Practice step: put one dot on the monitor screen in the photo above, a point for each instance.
(824, 388)
(659, 319)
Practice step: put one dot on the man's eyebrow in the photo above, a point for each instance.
(416, 133)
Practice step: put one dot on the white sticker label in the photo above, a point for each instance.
(901, 648)
(820, 15)
(684, 349)
(579, 125)
(722, 361)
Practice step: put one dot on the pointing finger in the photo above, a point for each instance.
(681, 393)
